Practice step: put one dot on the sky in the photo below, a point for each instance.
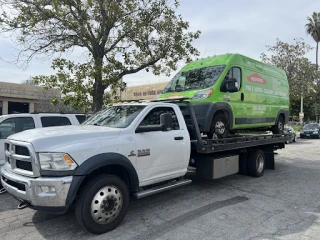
(232, 26)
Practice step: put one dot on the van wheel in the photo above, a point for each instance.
(102, 204)
(219, 126)
(279, 127)
(256, 163)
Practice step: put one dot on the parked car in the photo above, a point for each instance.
(232, 92)
(311, 130)
(14, 123)
(291, 132)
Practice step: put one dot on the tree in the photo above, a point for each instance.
(313, 29)
(302, 74)
(119, 37)
(29, 81)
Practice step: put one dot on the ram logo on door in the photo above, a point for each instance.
(143, 152)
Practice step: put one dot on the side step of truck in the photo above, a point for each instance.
(162, 188)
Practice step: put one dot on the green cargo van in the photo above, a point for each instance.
(231, 92)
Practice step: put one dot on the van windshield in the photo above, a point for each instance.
(194, 79)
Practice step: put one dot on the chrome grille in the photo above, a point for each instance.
(24, 165)
(21, 157)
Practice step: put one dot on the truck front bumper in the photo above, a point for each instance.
(42, 193)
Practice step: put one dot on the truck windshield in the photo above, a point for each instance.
(115, 116)
(194, 79)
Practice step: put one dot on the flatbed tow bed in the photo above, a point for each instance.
(205, 152)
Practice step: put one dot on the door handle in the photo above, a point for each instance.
(178, 138)
(242, 96)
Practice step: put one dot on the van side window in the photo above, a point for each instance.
(54, 121)
(14, 125)
(234, 72)
(153, 117)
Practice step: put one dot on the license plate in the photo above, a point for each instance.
(308, 135)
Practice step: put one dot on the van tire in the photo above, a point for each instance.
(279, 127)
(100, 200)
(219, 120)
(256, 163)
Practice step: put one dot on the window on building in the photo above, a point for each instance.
(15, 125)
(54, 121)
(153, 117)
(0, 107)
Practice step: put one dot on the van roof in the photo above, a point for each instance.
(234, 59)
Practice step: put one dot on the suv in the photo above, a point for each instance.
(14, 123)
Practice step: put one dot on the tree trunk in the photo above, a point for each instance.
(98, 86)
(317, 48)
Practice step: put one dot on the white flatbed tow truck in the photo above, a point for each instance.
(126, 150)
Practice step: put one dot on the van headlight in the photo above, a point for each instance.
(56, 162)
(202, 94)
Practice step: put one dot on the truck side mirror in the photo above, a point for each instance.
(166, 121)
(231, 85)
(165, 125)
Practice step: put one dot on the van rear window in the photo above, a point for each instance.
(194, 79)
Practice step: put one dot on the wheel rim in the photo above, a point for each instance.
(260, 163)
(220, 127)
(280, 126)
(106, 204)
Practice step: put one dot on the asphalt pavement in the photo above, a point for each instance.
(283, 204)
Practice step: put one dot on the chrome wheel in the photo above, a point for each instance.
(280, 126)
(260, 163)
(106, 204)
(220, 127)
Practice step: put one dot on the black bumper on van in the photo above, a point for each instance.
(204, 114)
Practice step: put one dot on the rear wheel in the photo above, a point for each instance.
(256, 163)
(102, 204)
(219, 126)
(279, 127)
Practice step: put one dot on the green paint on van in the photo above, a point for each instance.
(262, 95)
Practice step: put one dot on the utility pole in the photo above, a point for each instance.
(301, 110)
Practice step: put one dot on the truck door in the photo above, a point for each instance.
(161, 155)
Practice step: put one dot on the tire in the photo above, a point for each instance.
(219, 126)
(104, 193)
(279, 127)
(256, 163)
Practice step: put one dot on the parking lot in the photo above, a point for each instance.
(283, 204)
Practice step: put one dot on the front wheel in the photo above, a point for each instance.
(102, 204)
(279, 127)
(219, 126)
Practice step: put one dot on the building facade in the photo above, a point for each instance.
(19, 98)
(142, 92)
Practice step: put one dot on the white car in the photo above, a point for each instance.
(14, 123)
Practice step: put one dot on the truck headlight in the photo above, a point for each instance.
(202, 95)
(56, 162)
